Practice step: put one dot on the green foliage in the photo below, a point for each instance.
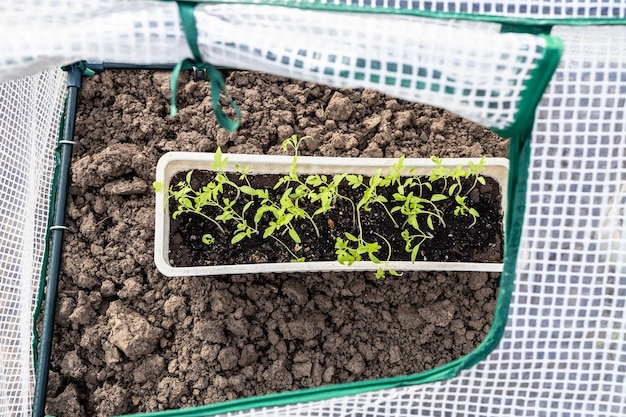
(414, 209)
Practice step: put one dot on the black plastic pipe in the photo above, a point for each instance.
(74, 80)
(102, 66)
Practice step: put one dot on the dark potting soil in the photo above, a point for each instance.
(458, 240)
(128, 339)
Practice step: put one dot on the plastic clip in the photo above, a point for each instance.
(200, 74)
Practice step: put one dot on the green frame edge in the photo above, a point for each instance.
(43, 273)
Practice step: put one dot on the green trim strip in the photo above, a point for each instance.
(355, 8)
(218, 85)
(51, 212)
(540, 76)
(185, 9)
(518, 174)
(74, 80)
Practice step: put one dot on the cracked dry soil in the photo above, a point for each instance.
(128, 339)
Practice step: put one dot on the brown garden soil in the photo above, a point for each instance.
(460, 239)
(128, 339)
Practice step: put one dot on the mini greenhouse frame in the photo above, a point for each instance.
(551, 75)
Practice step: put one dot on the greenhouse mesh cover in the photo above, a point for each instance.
(564, 348)
(30, 111)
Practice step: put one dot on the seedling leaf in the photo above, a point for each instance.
(438, 197)
(238, 237)
(246, 189)
(429, 221)
(208, 239)
(373, 258)
(294, 236)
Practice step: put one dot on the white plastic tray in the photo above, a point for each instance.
(174, 162)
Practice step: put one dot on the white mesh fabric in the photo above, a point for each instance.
(43, 34)
(466, 67)
(46, 34)
(30, 111)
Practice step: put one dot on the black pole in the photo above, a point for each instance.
(103, 66)
(74, 79)
(122, 66)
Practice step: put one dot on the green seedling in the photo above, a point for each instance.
(415, 208)
(462, 209)
(438, 172)
(413, 242)
(327, 193)
(475, 170)
(383, 269)
(370, 194)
